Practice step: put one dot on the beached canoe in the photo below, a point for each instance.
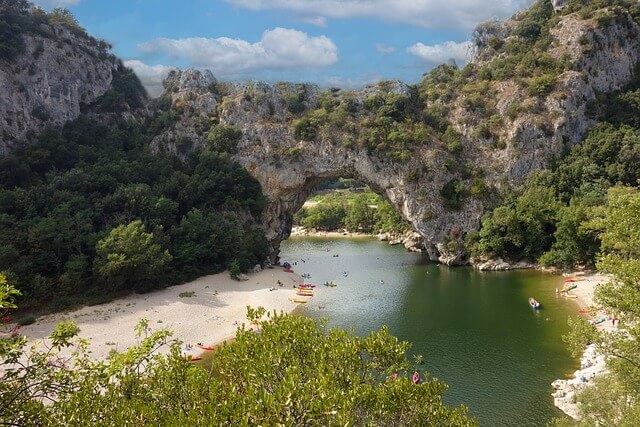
(298, 300)
(205, 347)
(287, 270)
(569, 287)
(599, 320)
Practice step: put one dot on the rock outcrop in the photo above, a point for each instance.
(58, 73)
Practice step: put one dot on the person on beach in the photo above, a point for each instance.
(415, 378)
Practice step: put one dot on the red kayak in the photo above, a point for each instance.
(204, 346)
(287, 270)
(193, 358)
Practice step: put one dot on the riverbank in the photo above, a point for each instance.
(207, 310)
(301, 231)
(412, 241)
(592, 364)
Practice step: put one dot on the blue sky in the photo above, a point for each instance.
(344, 43)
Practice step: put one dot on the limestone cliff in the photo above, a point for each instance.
(600, 56)
(58, 72)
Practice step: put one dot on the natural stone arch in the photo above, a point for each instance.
(288, 168)
(288, 182)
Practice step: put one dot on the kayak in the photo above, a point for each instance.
(287, 270)
(574, 280)
(194, 358)
(205, 347)
(302, 294)
(570, 287)
(331, 284)
(298, 300)
(570, 296)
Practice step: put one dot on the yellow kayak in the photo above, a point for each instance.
(298, 300)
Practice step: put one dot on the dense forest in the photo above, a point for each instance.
(88, 210)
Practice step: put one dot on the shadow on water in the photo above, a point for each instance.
(475, 330)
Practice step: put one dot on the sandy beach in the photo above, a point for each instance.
(592, 363)
(301, 231)
(206, 310)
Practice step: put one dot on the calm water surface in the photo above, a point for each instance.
(475, 329)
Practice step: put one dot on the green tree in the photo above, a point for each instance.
(128, 257)
(388, 219)
(224, 139)
(359, 215)
(325, 216)
(614, 398)
(574, 242)
(293, 373)
(13, 22)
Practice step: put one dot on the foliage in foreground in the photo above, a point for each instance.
(613, 400)
(294, 372)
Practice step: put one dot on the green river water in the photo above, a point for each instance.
(475, 330)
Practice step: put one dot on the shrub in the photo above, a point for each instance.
(452, 140)
(26, 320)
(234, 269)
(224, 139)
(305, 129)
(452, 193)
(541, 85)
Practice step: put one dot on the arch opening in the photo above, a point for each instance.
(346, 204)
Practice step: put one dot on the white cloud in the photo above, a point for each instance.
(151, 76)
(278, 49)
(347, 83)
(441, 53)
(50, 4)
(383, 48)
(319, 21)
(461, 14)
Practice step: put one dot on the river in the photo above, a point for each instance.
(475, 330)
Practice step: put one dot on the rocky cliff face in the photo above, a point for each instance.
(289, 166)
(49, 83)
